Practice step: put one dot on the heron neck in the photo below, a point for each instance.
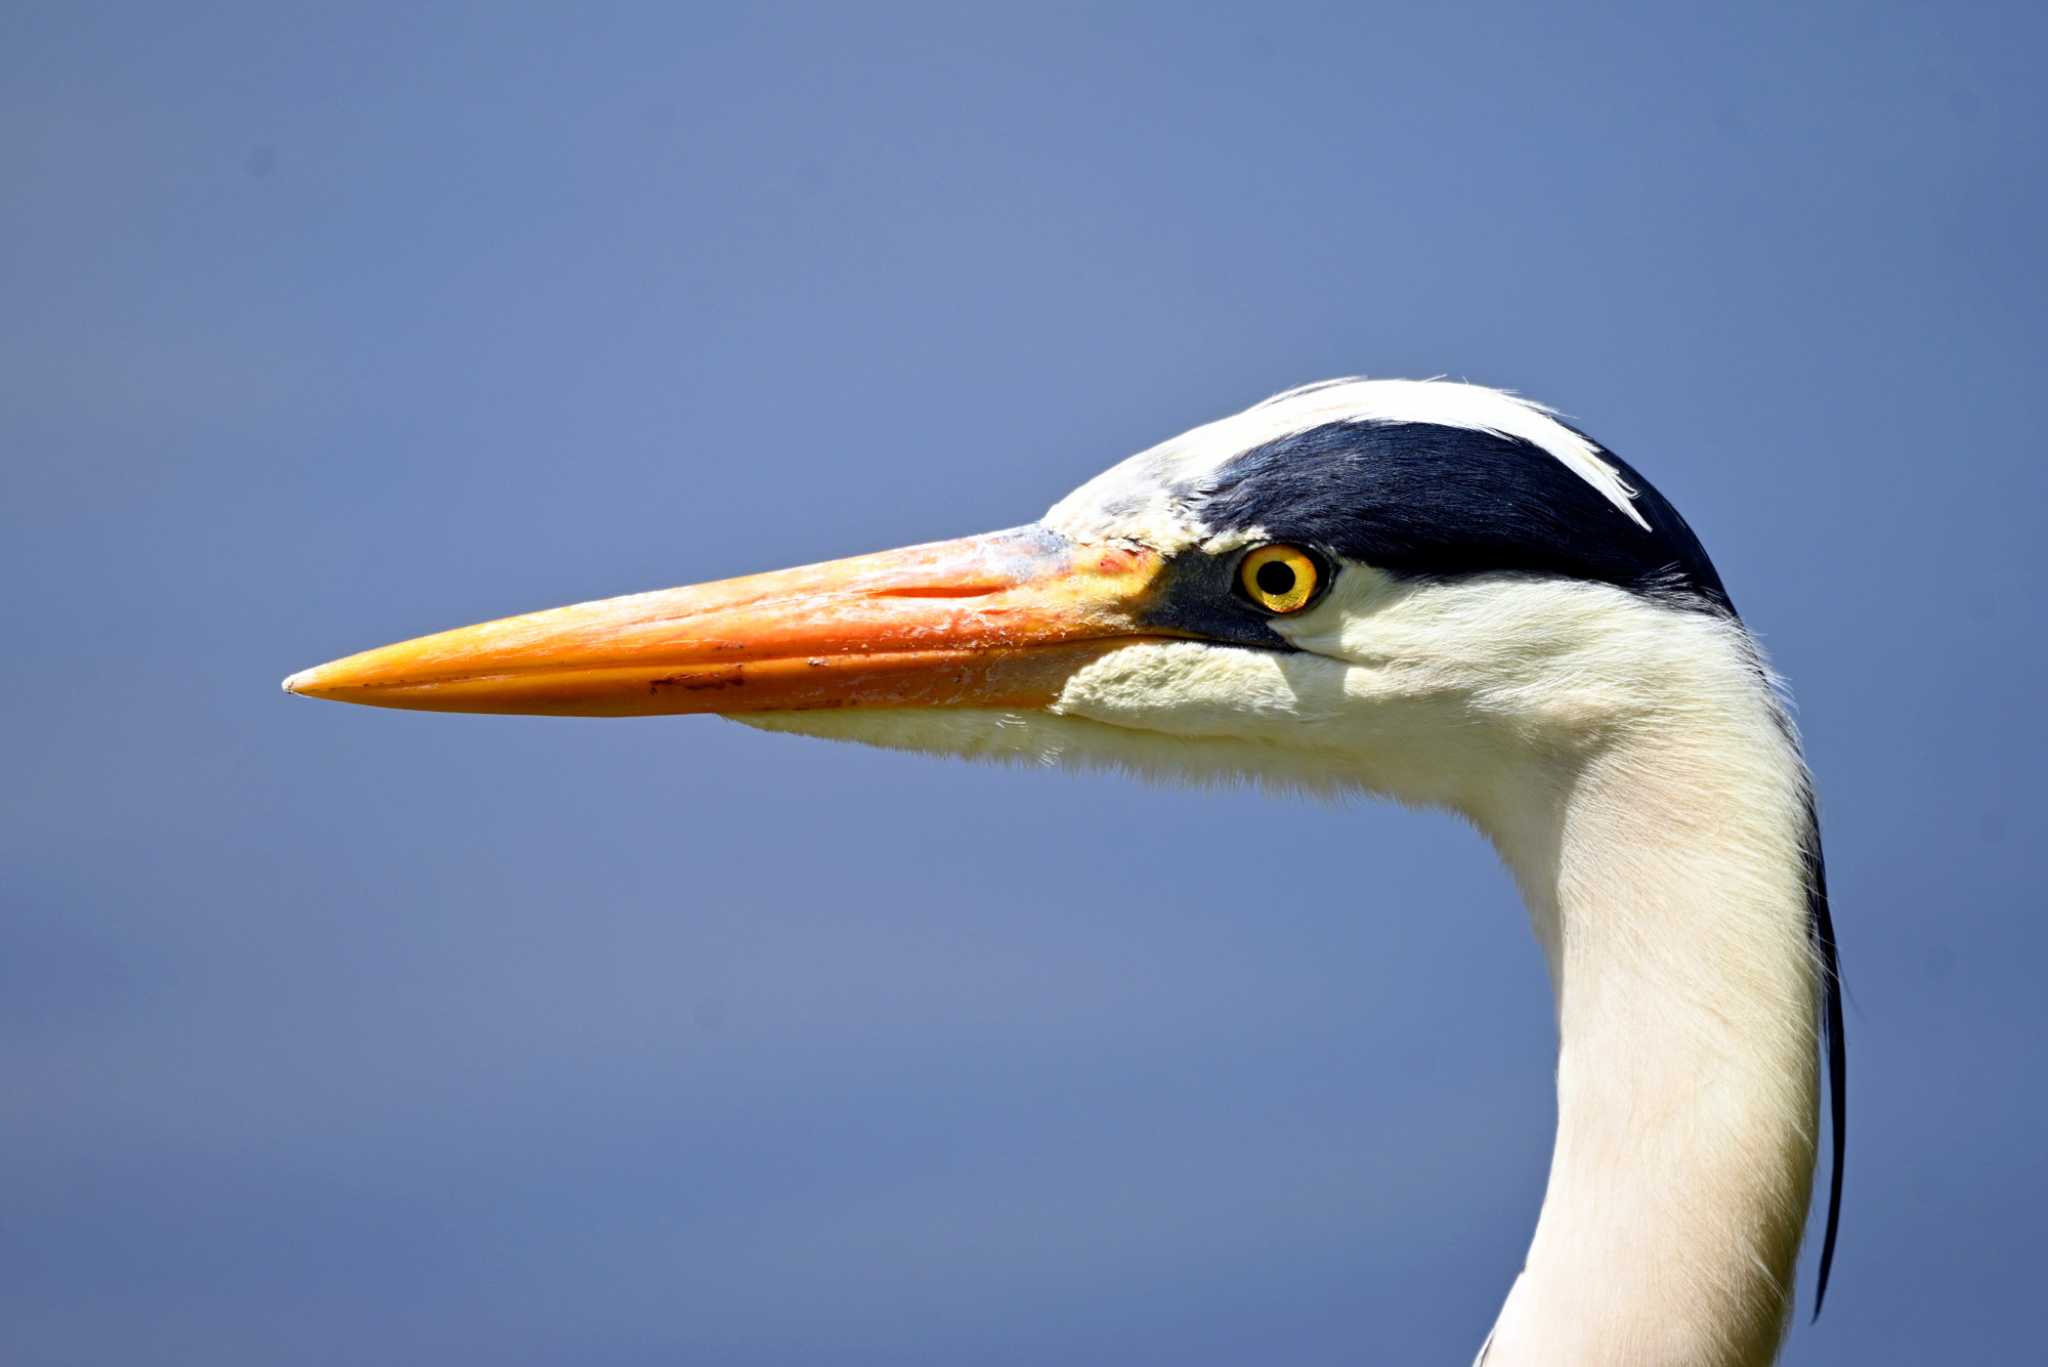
(1665, 878)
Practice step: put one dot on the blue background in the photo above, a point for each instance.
(333, 1035)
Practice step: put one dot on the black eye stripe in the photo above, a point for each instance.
(1202, 595)
(1421, 500)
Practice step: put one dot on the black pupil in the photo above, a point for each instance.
(1275, 577)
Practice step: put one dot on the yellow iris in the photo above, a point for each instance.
(1279, 578)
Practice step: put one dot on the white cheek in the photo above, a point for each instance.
(1345, 619)
(1188, 688)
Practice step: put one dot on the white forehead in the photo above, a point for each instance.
(1147, 498)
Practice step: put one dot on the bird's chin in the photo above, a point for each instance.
(1048, 739)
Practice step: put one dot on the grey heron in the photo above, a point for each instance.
(1426, 590)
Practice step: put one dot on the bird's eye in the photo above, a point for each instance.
(1279, 578)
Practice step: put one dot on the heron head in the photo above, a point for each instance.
(1356, 582)
(1429, 590)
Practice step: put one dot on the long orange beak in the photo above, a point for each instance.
(989, 621)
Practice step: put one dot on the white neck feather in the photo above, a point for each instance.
(1630, 762)
(1665, 877)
